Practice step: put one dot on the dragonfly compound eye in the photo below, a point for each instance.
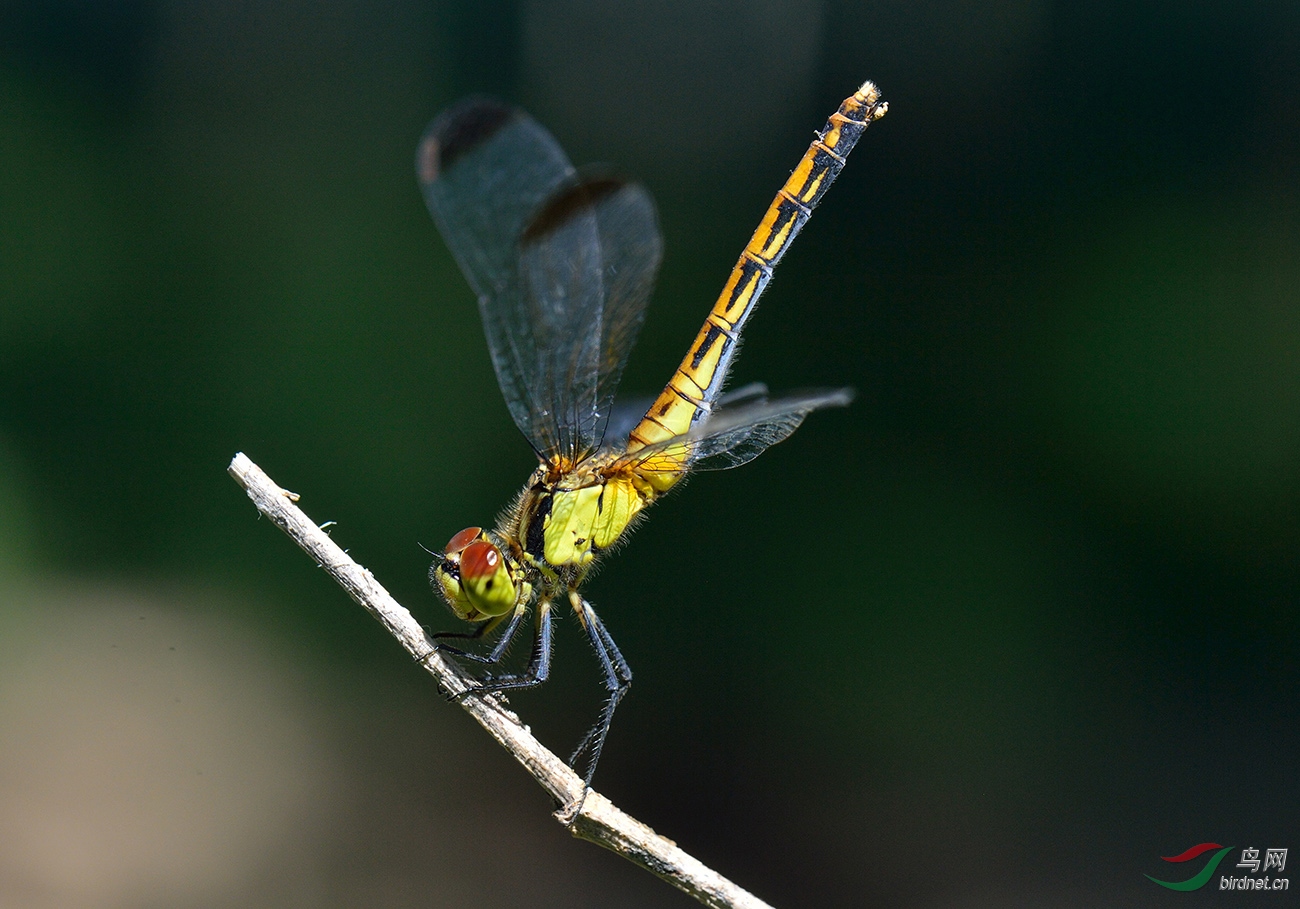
(456, 545)
(445, 574)
(485, 579)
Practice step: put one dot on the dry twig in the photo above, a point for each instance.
(597, 820)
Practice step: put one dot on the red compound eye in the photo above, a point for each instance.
(457, 544)
(479, 560)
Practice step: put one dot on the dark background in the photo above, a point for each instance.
(1016, 624)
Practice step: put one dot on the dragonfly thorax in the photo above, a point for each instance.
(564, 522)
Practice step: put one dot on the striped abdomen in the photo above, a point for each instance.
(698, 381)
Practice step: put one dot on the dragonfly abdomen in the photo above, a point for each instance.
(698, 381)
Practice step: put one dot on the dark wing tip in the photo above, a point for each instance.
(456, 132)
(568, 202)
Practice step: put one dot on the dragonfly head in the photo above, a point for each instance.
(475, 577)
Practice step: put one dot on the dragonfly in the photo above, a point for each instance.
(563, 261)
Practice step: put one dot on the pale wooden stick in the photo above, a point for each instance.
(597, 820)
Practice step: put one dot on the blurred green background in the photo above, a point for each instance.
(1017, 623)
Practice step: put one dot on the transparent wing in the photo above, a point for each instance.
(587, 261)
(627, 412)
(562, 264)
(733, 435)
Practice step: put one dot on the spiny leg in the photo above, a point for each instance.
(479, 631)
(618, 678)
(624, 671)
(539, 664)
(502, 644)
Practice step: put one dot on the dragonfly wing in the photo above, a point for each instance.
(561, 263)
(588, 261)
(745, 394)
(734, 435)
(627, 412)
(485, 168)
(632, 248)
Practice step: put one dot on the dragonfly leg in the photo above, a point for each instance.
(498, 651)
(618, 678)
(479, 631)
(539, 665)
